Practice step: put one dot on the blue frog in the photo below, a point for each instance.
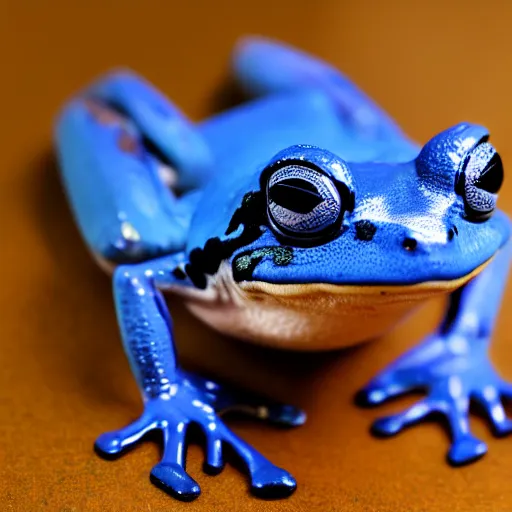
(301, 219)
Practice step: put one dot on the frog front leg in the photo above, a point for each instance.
(173, 399)
(113, 140)
(453, 366)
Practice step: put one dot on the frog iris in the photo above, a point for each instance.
(303, 203)
(480, 180)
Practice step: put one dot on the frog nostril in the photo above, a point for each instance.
(410, 244)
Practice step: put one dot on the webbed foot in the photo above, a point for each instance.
(454, 371)
(195, 400)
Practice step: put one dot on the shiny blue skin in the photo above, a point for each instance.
(453, 366)
(174, 399)
(302, 109)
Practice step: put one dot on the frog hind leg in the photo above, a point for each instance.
(123, 148)
(263, 66)
(453, 367)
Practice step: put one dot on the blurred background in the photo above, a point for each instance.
(63, 376)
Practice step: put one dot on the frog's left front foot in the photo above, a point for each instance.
(196, 400)
(454, 370)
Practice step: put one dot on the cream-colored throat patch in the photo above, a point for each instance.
(313, 316)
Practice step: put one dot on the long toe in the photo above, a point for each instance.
(286, 415)
(376, 392)
(271, 482)
(504, 428)
(368, 397)
(173, 479)
(108, 445)
(466, 450)
(386, 427)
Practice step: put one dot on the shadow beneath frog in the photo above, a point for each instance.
(83, 322)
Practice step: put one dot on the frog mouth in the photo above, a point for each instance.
(257, 290)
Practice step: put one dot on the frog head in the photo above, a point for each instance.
(319, 219)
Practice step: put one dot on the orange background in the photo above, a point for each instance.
(63, 376)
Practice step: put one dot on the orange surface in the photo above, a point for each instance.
(63, 376)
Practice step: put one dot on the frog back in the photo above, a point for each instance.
(244, 139)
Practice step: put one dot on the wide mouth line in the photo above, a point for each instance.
(292, 289)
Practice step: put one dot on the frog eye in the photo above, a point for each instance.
(303, 203)
(480, 179)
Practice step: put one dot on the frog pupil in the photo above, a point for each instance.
(491, 177)
(296, 195)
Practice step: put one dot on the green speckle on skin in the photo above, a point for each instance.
(247, 199)
(245, 264)
(281, 255)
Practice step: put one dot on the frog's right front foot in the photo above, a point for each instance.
(195, 400)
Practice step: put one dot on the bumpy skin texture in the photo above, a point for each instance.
(308, 183)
